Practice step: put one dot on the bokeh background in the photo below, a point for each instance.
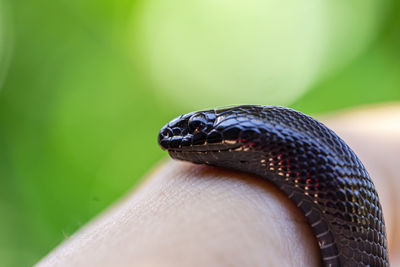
(85, 86)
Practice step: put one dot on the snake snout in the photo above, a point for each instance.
(174, 134)
(164, 137)
(186, 131)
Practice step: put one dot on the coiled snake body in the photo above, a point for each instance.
(305, 159)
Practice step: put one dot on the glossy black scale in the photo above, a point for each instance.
(305, 159)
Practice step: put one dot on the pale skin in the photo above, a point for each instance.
(191, 215)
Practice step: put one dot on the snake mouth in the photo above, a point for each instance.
(199, 153)
(205, 148)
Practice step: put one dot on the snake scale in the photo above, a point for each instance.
(306, 160)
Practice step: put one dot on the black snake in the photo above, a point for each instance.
(305, 159)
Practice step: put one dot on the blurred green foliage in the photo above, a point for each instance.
(79, 112)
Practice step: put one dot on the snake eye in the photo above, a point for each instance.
(196, 123)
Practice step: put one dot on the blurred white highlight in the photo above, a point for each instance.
(202, 53)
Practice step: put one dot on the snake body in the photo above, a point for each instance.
(306, 160)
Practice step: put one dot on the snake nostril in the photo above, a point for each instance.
(163, 141)
(166, 133)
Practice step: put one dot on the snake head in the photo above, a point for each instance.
(209, 131)
(187, 132)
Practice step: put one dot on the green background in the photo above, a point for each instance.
(81, 103)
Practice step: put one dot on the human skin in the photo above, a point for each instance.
(192, 215)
